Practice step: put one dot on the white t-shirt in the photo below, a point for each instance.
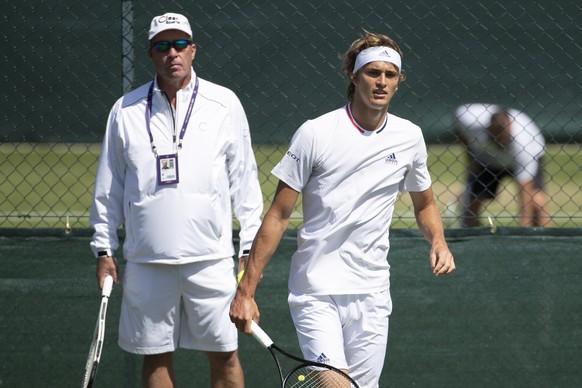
(349, 181)
(522, 154)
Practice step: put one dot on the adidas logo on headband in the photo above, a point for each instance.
(378, 53)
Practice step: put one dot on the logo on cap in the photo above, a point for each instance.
(168, 19)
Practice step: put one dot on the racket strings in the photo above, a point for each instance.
(308, 377)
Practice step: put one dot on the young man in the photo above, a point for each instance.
(501, 143)
(176, 163)
(349, 164)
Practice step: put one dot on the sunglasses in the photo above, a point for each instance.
(164, 46)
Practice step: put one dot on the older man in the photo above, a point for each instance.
(176, 163)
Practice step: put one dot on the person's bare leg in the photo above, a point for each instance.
(542, 217)
(157, 371)
(225, 370)
(470, 216)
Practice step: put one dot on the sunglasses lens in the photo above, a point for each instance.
(162, 46)
(180, 45)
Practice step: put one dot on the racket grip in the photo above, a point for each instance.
(260, 335)
(107, 286)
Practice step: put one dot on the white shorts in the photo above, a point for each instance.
(169, 306)
(346, 331)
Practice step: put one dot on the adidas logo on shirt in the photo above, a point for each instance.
(323, 359)
(391, 159)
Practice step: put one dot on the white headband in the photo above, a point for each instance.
(378, 54)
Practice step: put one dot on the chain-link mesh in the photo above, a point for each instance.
(66, 62)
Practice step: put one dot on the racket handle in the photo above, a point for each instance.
(107, 286)
(260, 335)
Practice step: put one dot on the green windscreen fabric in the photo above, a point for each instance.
(510, 316)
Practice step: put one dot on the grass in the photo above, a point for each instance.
(44, 184)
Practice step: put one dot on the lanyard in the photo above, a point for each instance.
(149, 108)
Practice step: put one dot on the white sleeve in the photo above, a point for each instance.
(528, 146)
(106, 213)
(245, 190)
(296, 166)
(417, 179)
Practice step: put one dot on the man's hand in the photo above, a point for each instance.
(107, 265)
(242, 311)
(442, 261)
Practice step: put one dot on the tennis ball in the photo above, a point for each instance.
(300, 377)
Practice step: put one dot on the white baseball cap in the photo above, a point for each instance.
(169, 21)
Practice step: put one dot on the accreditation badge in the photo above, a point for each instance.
(168, 169)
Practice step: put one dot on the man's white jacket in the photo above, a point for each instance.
(191, 220)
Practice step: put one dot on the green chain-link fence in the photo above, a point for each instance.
(65, 63)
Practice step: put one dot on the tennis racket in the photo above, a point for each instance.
(98, 336)
(303, 373)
